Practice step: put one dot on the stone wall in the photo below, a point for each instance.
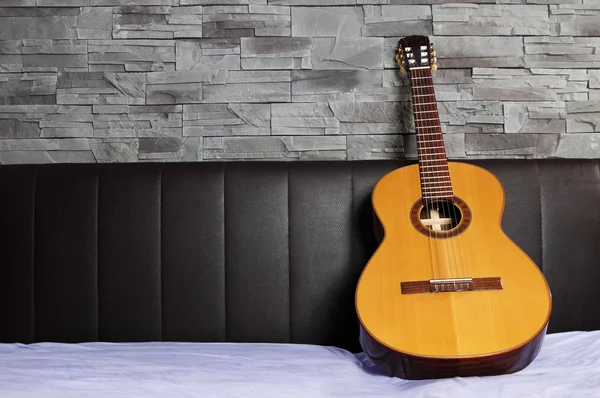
(194, 80)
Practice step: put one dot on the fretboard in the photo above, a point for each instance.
(433, 165)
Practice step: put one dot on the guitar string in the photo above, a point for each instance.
(437, 196)
(414, 89)
(456, 246)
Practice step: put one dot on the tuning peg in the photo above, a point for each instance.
(402, 69)
(434, 67)
(434, 53)
(434, 60)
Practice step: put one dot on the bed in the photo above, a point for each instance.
(567, 366)
(237, 279)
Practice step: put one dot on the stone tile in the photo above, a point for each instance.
(238, 22)
(225, 2)
(371, 112)
(174, 93)
(51, 144)
(41, 157)
(577, 19)
(131, 55)
(276, 52)
(34, 121)
(501, 145)
(93, 23)
(115, 150)
(327, 21)
(491, 20)
(247, 92)
(138, 2)
(562, 52)
(190, 56)
(251, 76)
(397, 20)
(127, 121)
(98, 88)
(26, 89)
(320, 3)
(532, 117)
(347, 53)
(226, 119)
(272, 147)
(303, 119)
(157, 22)
(326, 85)
(375, 147)
(463, 113)
(578, 146)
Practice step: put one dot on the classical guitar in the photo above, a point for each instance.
(446, 293)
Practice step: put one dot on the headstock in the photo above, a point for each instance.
(416, 52)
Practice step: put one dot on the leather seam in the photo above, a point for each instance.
(33, 217)
(289, 258)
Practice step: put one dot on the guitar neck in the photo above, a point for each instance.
(433, 164)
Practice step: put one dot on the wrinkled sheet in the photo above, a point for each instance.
(567, 366)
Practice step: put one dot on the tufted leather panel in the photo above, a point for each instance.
(248, 251)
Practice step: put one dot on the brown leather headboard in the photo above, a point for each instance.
(249, 251)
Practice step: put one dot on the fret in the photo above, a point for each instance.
(432, 167)
(430, 178)
(427, 103)
(431, 147)
(422, 95)
(425, 112)
(432, 141)
(445, 191)
(422, 120)
(422, 134)
(436, 160)
(433, 172)
(437, 186)
(427, 127)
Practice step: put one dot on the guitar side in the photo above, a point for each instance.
(485, 329)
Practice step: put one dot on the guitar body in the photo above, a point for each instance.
(489, 312)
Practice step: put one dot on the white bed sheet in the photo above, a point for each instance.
(567, 366)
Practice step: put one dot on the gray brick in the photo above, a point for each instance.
(39, 157)
(347, 53)
(96, 88)
(370, 112)
(226, 120)
(258, 76)
(115, 150)
(137, 2)
(375, 147)
(39, 88)
(125, 121)
(303, 119)
(18, 3)
(317, 86)
(211, 77)
(327, 21)
(94, 23)
(471, 112)
(190, 56)
(174, 93)
(562, 52)
(538, 118)
(276, 53)
(474, 19)
(271, 147)
(66, 144)
(232, 2)
(14, 128)
(157, 22)
(16, 28)
(244, 24)
(397, 20)
(247, 92)
(578, 146)
(532, 145)
(131, 55)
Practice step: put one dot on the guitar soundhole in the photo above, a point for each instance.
(440, 215)
(441, 218)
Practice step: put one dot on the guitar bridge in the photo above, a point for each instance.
(451, 285)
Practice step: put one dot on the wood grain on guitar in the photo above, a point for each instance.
(446, 293)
